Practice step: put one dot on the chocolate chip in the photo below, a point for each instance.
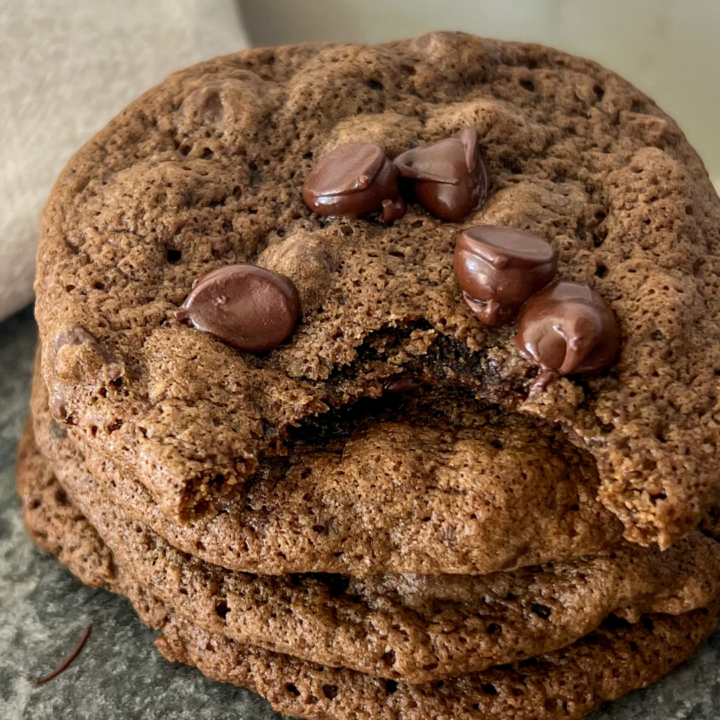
(499, 268)
(246, 306)
(448, 178)
(567, 328)
(354, 180)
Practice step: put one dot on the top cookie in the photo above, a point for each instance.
(207, 170)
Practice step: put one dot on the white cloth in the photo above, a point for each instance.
(66, 68)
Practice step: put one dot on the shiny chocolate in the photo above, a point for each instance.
(448, 178)
(248, 307)
(567, 328)
(499, 268)
(354, 180)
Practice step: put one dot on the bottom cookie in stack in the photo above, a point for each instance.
(569, 682)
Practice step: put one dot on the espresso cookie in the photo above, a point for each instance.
(569, 683)
(207, 170)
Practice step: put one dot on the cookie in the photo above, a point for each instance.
(207, 169)
(301, 517)
(57, 526)
(416, 627)
(569, 683)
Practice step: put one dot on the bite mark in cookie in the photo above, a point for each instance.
(210, 165)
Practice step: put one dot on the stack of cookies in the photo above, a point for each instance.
(383, 380)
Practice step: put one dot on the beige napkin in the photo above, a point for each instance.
(66, 68)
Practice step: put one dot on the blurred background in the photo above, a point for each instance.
(68, 66)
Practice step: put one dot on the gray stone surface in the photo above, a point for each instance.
(120, 675)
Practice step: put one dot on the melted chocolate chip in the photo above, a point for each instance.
(499, 268)
(567, 328)
(354, 180)
(448, 178)
(246, 306)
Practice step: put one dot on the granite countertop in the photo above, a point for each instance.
(120, 675)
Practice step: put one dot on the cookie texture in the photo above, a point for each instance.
(614, 659)
(308, 448)
(415, 627)
(207, 169)
(568, 684)
(439, 494)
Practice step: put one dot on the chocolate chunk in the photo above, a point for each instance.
(248, 307)
(567, 328)
(448, 178)
(353, 180)
(499, 268)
